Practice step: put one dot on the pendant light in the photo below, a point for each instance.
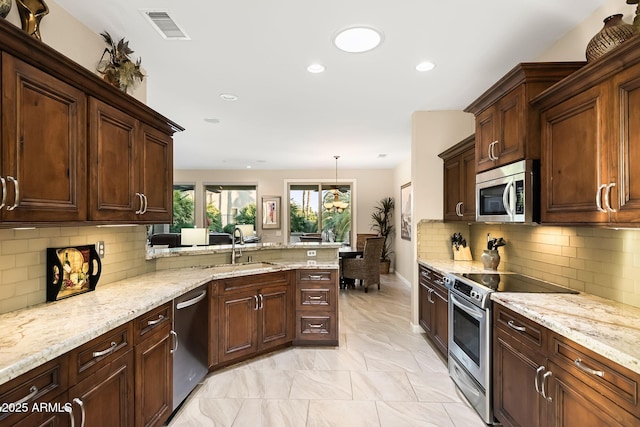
(336, 205)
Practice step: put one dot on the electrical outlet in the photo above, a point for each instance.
(100, 248)
(311, 253)
(311, 262)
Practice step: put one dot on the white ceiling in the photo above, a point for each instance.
(360, 107)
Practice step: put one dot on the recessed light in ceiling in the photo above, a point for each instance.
(382, 155)
(212, 120)
(315, 68)
(425, 66)
(228, 97)
(357, 39)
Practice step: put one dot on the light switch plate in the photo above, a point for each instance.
(100, 248)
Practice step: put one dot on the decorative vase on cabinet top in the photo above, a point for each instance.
(613, 34)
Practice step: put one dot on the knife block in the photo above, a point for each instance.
(461, 254)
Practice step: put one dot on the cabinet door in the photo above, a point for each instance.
(515, 399)
(154, 379)
(112, 166)
(511, 127)
(486, 134)
(573, 159)
(274, 316)
(574, 404)
(238, 325)
(625, 147)
(425, 308)
(43, 145)
(453, 182)
(156, 163)
(468, 185)
(441, 319)
(107, 395)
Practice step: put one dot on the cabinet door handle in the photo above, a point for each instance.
(81, 405)
(256, 306)
(579, 364)
(512, 325)
(599, 198)
(544, 380)
(492, 156)
(155, 322)
(537, 379)
(33, 390)
(459, 209)
(607, 193)
(429, 296)
(69, 410)
(4, 192)
(261, 298)
(139, 211)
(174, 334)
(16, 187)
(105, 352)
(145, 205)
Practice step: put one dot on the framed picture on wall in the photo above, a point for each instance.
(271, 212)
(405, 211)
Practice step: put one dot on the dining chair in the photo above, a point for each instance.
(361, 238)
(367, 268)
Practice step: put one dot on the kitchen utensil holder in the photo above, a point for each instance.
(461, 254)
(490, 259)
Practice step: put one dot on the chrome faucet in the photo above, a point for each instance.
(233, 245)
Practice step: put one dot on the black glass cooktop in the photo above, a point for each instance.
(516, 283)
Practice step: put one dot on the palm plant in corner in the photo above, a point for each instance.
(382, 218)
(116, 65)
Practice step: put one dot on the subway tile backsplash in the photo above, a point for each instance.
(23, 258)
(599, 261)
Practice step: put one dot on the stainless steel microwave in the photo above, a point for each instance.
(510, 193)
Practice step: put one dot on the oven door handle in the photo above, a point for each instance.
(470, 310)
(508, 197)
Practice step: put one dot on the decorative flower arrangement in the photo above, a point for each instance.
(118, 68)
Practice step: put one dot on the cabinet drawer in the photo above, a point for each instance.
(429, 276)
(314, 276)
(613, 381)
(520, 328)
(41, 384)
(100, 351)
(151, 321)
(310, 296)
(316, 327)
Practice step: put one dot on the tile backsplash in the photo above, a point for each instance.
(23, 258)
(599, 261)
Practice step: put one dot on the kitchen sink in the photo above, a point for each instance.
(246, 266)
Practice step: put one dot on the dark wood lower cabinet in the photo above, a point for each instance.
(154, 379)
(107, 396)
(238, 325)
(433, 306)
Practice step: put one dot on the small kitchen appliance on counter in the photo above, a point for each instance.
(470, 364)
(72, 271)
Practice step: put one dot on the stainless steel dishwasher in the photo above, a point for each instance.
(190, 324)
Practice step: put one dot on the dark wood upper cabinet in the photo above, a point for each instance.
(43, 146)
(590, 159)
(507, 126)
(460, 181)
(64, 161)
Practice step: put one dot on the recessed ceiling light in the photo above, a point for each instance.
(228, 97)
(315, 68)
(382, 155)
(212, 120)
(425, 66)
(357, 39)
(248, 166)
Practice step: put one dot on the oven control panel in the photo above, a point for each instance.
(469, 291)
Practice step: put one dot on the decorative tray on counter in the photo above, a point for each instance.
(71, 271)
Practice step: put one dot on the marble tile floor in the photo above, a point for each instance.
(382, 374)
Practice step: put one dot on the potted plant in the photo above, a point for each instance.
(118, 68)
(382, 218)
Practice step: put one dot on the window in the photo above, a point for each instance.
(183, 208)
(308, 212)
(228, 205)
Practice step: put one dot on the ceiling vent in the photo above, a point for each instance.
(165, 25)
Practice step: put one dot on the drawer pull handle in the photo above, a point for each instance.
(578, 363)
(425, 274)
(33, 390)
(111, 349)
(316, 325)
(155, 322)
(315, 277)
(516, 327)
(315, 298)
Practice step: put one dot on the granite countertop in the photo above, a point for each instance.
(218, 249)
(609, 328)
(38, 334)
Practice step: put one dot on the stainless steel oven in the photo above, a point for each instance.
(470, 345)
